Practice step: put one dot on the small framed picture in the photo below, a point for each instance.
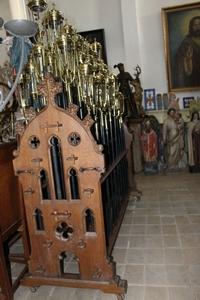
(186, 101)
(159, 102)
(165, 101)
(149, 99)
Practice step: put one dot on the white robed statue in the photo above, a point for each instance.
(172, 141)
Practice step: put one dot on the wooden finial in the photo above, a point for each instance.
(49, 88)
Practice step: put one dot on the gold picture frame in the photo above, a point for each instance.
(181, 26)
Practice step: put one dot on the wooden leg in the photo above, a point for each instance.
(34, 289)
(6, 288)
(120, 297)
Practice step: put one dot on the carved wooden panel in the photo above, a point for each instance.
(57, 154)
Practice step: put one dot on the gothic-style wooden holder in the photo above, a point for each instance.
(59, 165)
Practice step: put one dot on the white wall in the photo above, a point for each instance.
(133, 32)
(151, 44)
(97, 14)
(130, 34)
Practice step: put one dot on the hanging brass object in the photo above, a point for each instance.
(119, 104)
(97, 48)
(37, 5)
(73, 60)
(53, 19)
(38, 52)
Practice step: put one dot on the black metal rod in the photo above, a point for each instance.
(58, 175)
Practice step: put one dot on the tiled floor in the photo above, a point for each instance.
(158, 247)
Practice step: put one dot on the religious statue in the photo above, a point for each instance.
(125, 81)
(172, 141)
(15, 52)
(138, 91)
(194, 143)
(173, 101)
(149, 141)
(181, 127)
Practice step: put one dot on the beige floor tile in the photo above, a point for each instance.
(142, 211)
(154, 241)
(139, 220)
(124, 229)
(62, 293)
(119, 255)
(166, 211)
(194, 219)
(134, 274)
(153, 211)
(137, 229)
(178, 204)
(182, 219)
(127, 220)
(137, 241)
(154, 256)
(17, 247)
(122, 242)
(155, 275)
(171, 241)
(181, 293)
(101, 296)
(194, 272)
(142, 204)
(169, 229)
(166, 204)
(84, 294)
(153, 220)
(16, 269)
(185, 229)
(196, 292)
(195, 228)
(22, 293)
(179, 211)
(191, 256)
(162, 197)
(177, 275)
(129, 213)
(45, 292)
(153, 229)
(167, 220)
(120, 269)
(173, 256)
(135, 293)
(190, 240)
(156, 293)
(135, 256)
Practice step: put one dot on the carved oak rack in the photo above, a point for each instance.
(60, 165)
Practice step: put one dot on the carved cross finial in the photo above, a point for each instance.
(49, 88)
